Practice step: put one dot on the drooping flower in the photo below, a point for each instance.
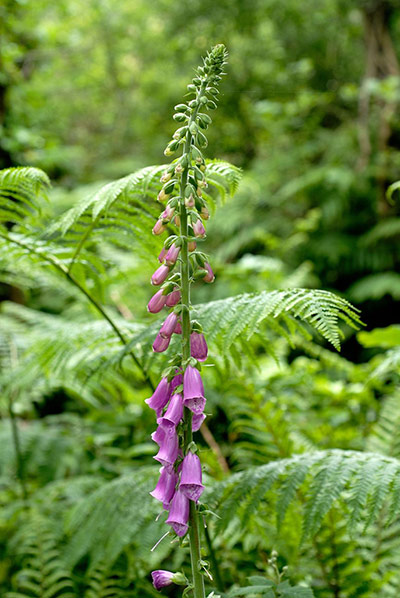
(168, 327)
(161, 343)
(159, 434)
(176, 381)
(160, 275)
(197, 420)
(209, 277)
(173, 414)
(157, 302)
(179, 513)
(173, 298)
(178, 328)
(168, 452)
(198, 346)
(198, 229)
(191, 477)
(172, 255)
(193, 390)
(160, 396)
(165, 488)
(159, 227)
(161, 578)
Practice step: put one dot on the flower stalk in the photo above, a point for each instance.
(179, 399)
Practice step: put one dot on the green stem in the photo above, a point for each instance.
(194, 528)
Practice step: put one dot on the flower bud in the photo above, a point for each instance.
(205, 214)
(210, 274)
(198, 229)
(180, 117)
(166, 176)
(162, 255)
(160, 275)
(178, 169)
(172, 255)
(173, 298)
(161, 343)
(162, 196)
(177, 220)
(192, 245)
(168, 327)
(189, 201)
(168, 213)
(159, 227)
(157, 302)
(198, 346)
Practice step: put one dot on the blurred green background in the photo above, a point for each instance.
(309, 110)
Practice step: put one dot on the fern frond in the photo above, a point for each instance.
(111, 518)
(44, 573)
(21, 190)
(362, 480)
(103, 583)
(243, 314)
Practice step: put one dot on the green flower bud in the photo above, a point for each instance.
(180, 117)
(202, 139)
(211, 105)
(181, 107)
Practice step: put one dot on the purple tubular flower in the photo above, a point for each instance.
(209, 277)
(173, 298)
(178, 328)
(198, 228)
(193, 391)
(161, 343)
(168, 327)
(160, 275)
(161, 578)
(176, 381)
(162, 255)
(156, 303)
(159, 434)
(165, 488)
(160, 396)
(179, 513)
(168, 452)
(191, 475)
(198, 346)
(197, 420)
(173, 414)
(172, 255)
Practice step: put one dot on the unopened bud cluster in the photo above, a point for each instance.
(183, 194)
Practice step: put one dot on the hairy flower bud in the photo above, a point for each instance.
(198, 229)
(168, 213)
(172, 255)
(162, 255)
(161, 343)
(166, 176)
(210, 274)
(162, 196)
(198, 346)
(173, 298)
(157, 302)
(168, 327)
(159, 227)
(160, 275)
(189, 201)
(192, 245)
(205, 214)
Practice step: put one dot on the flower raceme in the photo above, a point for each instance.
(179, 399)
